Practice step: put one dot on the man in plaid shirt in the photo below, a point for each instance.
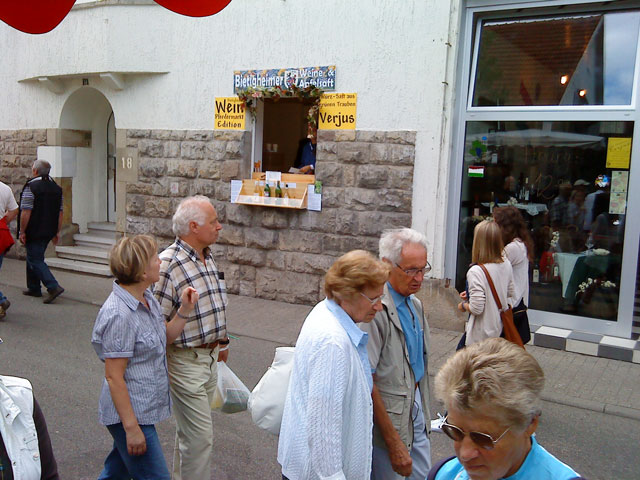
(192, 357)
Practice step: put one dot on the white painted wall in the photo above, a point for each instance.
(393, 54)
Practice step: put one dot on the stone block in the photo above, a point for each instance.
(26, 148)
(400, 178)
(275, 260)
(370, 244)
(373, 223)
(177, 135)
(326, 136)
(135, 204)
(232, 135)
(192, 150)
(240, 214)
(379, 154)
(20, 175)
(261, 238)
(133, 133)
(182, 168)
(150, 148)
(9, 148)
(203, 187)
(326, 147)
(345, 136)
(199, 135)
(27, 161)
(234, 149)
(308, 263)
(219, 251)
(247, 288)
(158, 207)
(246, 272)
(209, 169)
(384, 200)
(162, 227)
(324, 221)
(231, 274)
(40, 136)
(12, 161)
(346, 222)
(160, 134)
(172, 149)
(152, 167)
(231, 235)
(246, 256)
(221, 210)
(215, 150)
(223, 191)
(369, 136)
(372, 176)
(25, 135)
(402, 137)
(353, 152)
(402, 154)
(273, 218)
(297, 241)
(230, 170)
(332, 197)
(336, 174)
(325, 157)
(290, 287)
(332, 244)
(137, 225)
(132, 142)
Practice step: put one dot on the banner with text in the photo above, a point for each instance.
(302, 77)
(230, 113)
(337, 111)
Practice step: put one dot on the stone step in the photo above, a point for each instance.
(104, 226)
(78, 266)
(95, 239)
(85, 254)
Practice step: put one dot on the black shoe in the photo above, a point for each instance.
(53, 294)
(32, 293)
(5, 305)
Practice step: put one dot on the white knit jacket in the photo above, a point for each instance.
(327, 422)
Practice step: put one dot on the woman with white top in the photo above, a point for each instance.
(327, 421)
(484, 319)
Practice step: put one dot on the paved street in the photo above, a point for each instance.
(49, 344)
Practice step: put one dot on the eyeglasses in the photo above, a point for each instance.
(483, 440)
(412, 272)
(372, 301)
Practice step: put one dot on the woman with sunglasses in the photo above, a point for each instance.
(491, 391)
(328, 413)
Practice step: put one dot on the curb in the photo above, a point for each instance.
(592, 405)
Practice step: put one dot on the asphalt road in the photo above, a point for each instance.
(49, 344)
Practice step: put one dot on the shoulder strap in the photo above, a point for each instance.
(492, 286)
(434, 470)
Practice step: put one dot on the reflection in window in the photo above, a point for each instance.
(569, 60)
(572, 194)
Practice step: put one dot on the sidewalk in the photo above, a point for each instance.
(592, 383)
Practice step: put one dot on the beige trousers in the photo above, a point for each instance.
(193, 375)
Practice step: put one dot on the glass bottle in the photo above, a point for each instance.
(285, 191)
(267, 190)
(261, 188)
(278, 191)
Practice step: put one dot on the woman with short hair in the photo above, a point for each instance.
(328, 414)
(130, 336)
(484, 319)
(491, 391)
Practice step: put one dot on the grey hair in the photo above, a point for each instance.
(42, 167)
(189, 210)
(493, 374)
(393, 241)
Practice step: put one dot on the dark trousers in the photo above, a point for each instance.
(37, 269)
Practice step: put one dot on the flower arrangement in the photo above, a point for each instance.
(586, 288)
(251, 95)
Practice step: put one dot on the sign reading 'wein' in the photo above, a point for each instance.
(303, 77)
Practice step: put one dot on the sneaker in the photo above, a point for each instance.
(5, 305)
(32, 293)
(53, 294)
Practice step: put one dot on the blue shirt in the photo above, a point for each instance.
(125, 328)
(357, 337)
(413, 334)
(539, 465)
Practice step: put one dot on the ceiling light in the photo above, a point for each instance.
(582, 92)
(564, 79)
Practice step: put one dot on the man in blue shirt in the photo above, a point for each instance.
(398, 347)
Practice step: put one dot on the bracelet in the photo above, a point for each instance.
(226, 347)
(224, 342)
(184, 317)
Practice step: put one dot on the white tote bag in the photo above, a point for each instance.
(266, 402)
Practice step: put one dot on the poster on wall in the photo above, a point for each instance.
(229, 114)
(301, 77)
(337, 111)
(618, 152)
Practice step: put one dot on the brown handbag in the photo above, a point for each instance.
(508, 327)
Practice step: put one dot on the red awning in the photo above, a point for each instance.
(42, 16)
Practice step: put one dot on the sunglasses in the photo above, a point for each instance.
(483, 440)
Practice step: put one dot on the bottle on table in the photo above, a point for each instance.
(278, 191)
(267, 190)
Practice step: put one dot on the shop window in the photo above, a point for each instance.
(286, 132)
(560, 60)
(571, 188)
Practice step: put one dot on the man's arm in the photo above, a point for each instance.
(25, 216)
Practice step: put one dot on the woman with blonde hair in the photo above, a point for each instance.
(130, 336)
(327, 421)
(487, 251)
(491, 391)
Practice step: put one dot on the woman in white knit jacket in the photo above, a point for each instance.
(328, 414)
(484, 319)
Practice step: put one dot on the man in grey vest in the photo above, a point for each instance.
(398, 352)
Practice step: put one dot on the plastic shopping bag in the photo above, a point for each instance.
(231, 394)
(267, 399)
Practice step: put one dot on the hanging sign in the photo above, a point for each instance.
(302, 77)
(337, 111)
(229, 114)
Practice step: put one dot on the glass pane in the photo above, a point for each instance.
(572, 60)
(572, 194)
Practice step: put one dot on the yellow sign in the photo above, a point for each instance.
(337, 111)
(230, 113)
(618, 152)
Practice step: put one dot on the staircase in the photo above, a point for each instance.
(90, 253)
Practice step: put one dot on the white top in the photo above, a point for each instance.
(484, 321)
(7, 200)
(516, 253)
(328, 414)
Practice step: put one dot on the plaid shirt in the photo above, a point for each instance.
(181, 267)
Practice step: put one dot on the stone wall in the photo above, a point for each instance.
(273, 253)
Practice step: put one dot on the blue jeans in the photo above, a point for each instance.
(2, 297)
(37, 269)
(119, 465)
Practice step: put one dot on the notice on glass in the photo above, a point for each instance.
(619, 181)
(314, 200)
(236, 186)
(618, 203)
(618, 152)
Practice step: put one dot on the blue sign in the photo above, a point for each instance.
(303, 77)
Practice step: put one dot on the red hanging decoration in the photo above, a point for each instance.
(194, 8)
(34, 16)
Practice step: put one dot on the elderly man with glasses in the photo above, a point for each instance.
(398, 349)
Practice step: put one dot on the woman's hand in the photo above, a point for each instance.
(462, 306)
(463, 296)
(188, 299)
(136, 441)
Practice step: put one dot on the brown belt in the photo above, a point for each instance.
(209, 346)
